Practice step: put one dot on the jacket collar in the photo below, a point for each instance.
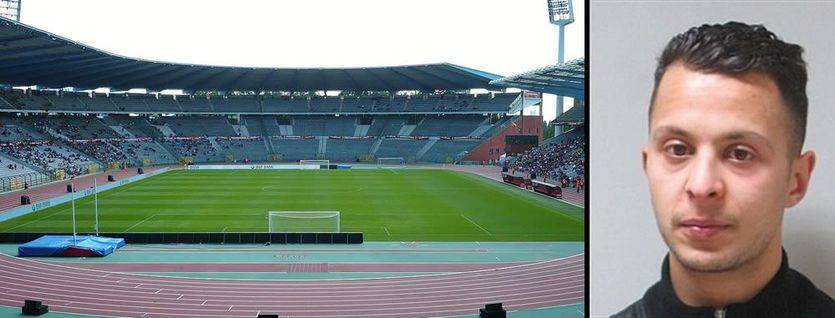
(774, 300)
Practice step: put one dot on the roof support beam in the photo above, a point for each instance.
(12, 39)
(383, 83)
(409, 79)
(271, 76)
(204, 83)
(144, 72)
(47, 62)
(435, 77)
(111, 70)
(166, 83)
(29, 50)
(60, 74)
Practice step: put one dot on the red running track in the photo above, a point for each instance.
(287, 268)
(12, 199)
(93, 292)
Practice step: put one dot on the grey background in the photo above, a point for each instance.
(626, 38)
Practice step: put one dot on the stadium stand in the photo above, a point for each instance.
(348, 150)
(118, 138)
(378, 112)
(556, 159)
(296, 149)
(405, 148)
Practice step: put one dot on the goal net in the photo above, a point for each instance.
(303, 221)
(391, 162)
(315, 162)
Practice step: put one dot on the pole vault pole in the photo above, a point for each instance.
(96, 203)
(72, 195)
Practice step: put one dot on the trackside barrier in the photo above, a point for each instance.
(26, 209)
(253, 167)
(548, 189)
(514, 180)
(209, 238)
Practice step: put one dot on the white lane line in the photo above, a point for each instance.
(476, 224)
(38, 219)
(387, 231)
(140, 222)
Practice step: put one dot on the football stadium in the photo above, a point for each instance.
(384, 191)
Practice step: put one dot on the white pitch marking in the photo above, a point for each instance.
(387, 231)
(476, 224)
(140, 222)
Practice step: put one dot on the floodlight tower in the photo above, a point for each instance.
(561, 13)
(10, 9)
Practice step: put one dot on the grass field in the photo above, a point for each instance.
(385, 204)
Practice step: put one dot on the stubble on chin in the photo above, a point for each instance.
(724, 259)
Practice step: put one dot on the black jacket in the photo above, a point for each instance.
(788, 294)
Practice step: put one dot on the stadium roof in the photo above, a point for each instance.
(29, 56)
(575, 115)
(566, 79)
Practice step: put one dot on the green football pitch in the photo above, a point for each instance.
(385, 204)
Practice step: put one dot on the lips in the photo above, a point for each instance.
(703, 229)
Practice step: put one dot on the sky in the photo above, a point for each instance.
(503, 37)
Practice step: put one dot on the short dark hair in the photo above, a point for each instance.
(736, 48)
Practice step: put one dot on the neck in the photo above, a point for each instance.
(719, 289)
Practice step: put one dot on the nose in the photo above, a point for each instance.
(705, 182)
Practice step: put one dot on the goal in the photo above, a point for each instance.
(315, 162)
(303, 221)
(391, 162)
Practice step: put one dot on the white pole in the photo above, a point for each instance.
(96, 204)
(560, 60)
(72, 195)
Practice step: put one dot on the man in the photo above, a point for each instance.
(727, 122)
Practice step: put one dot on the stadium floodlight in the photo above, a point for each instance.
(10, 9)
(561, 13)
(303, 222)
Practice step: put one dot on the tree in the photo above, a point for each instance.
(548, 129)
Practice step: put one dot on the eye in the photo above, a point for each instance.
(676, 149)
(740, 154)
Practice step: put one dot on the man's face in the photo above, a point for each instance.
(718, 166)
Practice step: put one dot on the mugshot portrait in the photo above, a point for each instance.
(626, 40)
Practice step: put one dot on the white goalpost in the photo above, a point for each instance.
(303, 222)
(314, 162)
(391, 162)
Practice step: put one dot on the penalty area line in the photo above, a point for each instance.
(140, 222)
(476, 224)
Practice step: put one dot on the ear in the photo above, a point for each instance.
(801, 173)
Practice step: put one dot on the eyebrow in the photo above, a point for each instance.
(733, 135)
